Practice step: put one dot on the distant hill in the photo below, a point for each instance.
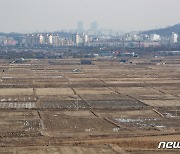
(164, 31)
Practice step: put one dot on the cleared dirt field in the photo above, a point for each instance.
(16, 124)
(75, 123)
(19, 98)
(155, 103)
(128, 114)
(94, 97)
(100, 91)
(61, 106)
(127, 103)
(59, 150)
(134, 91)
(64, 104)
(16, 91)
(53, 91)
(17, 105)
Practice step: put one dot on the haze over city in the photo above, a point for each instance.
(120, 15)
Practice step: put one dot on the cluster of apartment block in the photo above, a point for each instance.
(40, 39)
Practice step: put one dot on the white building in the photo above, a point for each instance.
(80, 39)
(41, 39)
(174, 38)
(155, 37)
(85, 38)
(77, 39)
(50, 39)
(55, 40)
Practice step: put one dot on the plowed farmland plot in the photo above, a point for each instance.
(16, 91)
(63, 104)
(162, 103)
(111, 101)
(116, 104)
(101, 97)
(17, 105)
(59, 150)
(18, 98)
(170, 113)
(127, 114)
(19, 124)
(100, 91)
(162, 124)
(78, 122)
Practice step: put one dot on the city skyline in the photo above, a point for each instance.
(119, 15)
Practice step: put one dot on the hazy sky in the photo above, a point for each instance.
(122, 15)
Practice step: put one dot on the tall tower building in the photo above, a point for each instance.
(94, 27)
(80, 27)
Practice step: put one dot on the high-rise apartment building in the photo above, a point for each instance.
(94, 27)
(174, 38)
(80, 27)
